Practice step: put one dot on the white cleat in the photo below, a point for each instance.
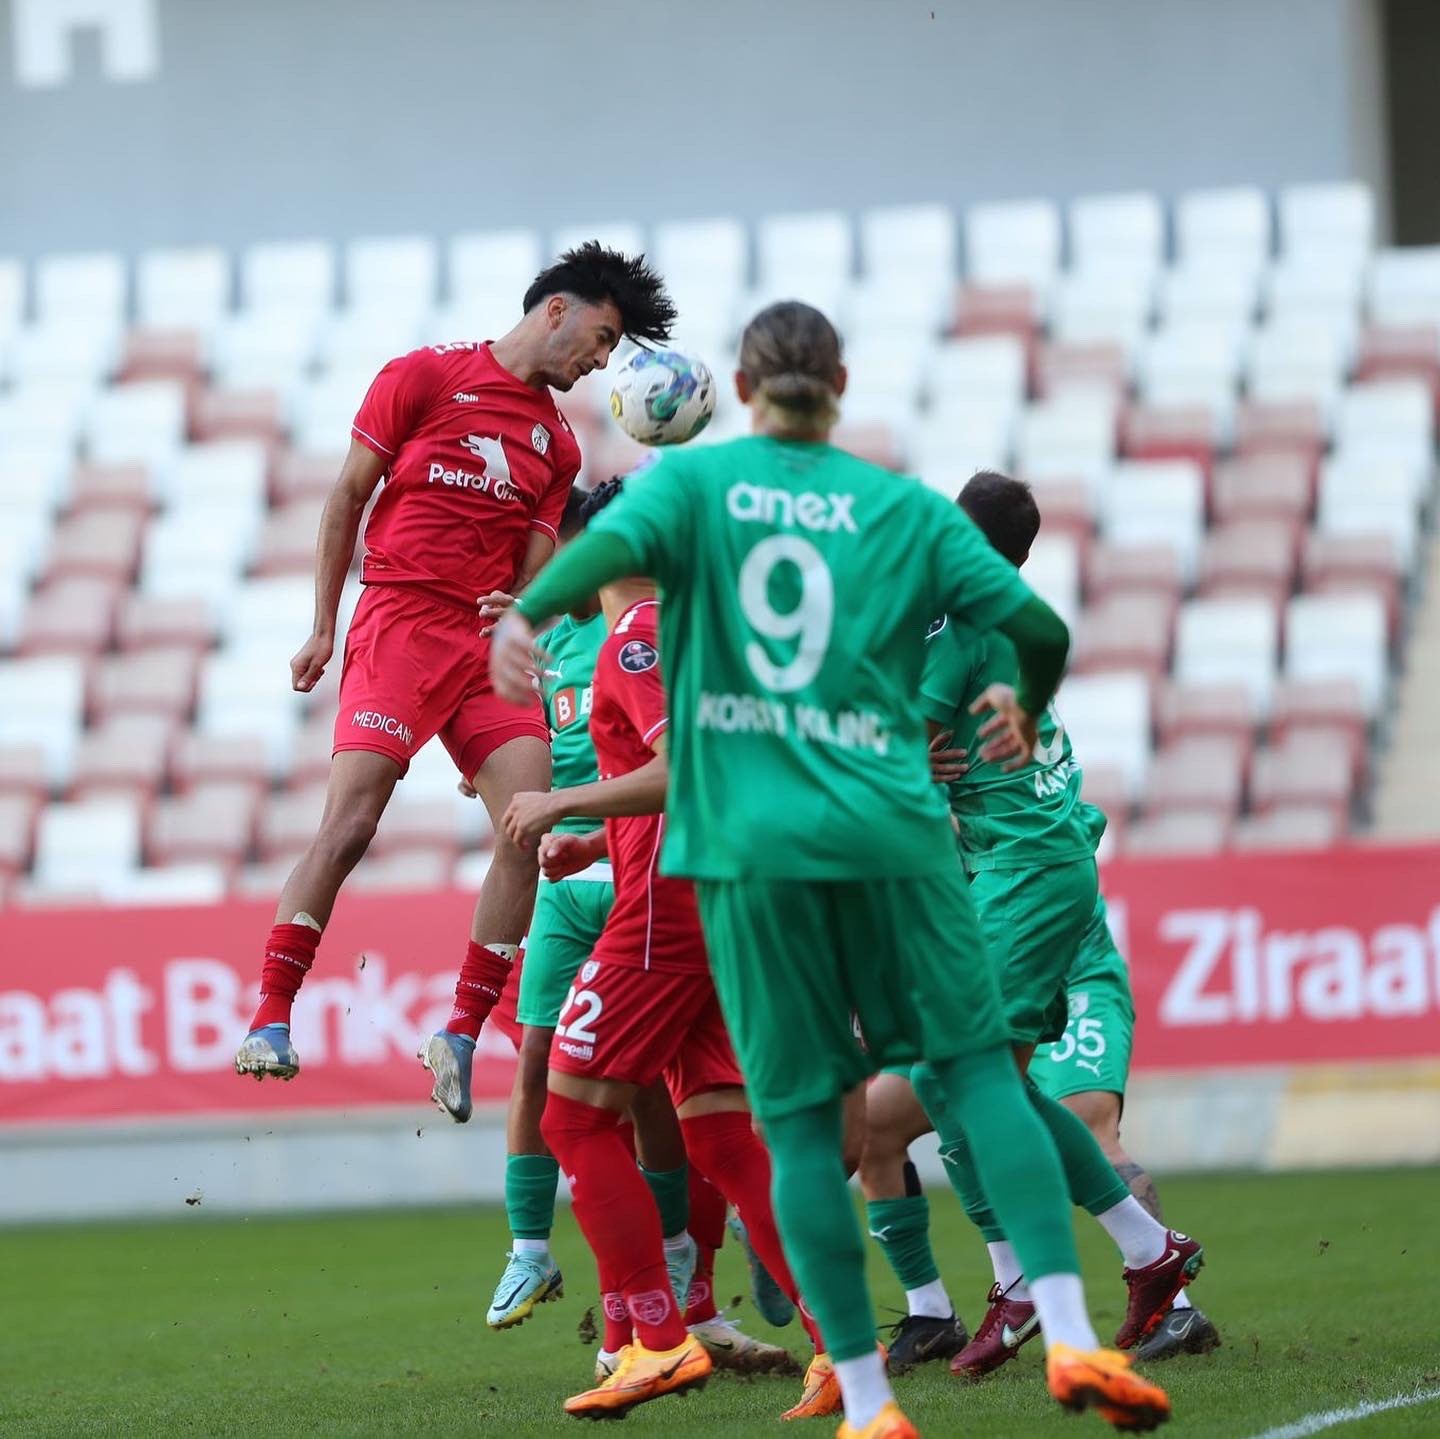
(268, 1051)
(729, 1347)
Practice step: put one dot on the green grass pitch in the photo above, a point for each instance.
(1323, 1285)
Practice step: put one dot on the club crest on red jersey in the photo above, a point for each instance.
(636, 656)
(540, 438)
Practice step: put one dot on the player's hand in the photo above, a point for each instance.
(562, 855)
(514, 659)
(946, 764)
(310, 661)
(491, 607)
(1010, 733)
(529, 814)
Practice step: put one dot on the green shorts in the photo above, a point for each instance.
(1033, 921)
(1094, 1051)
(568, 919)
(796, 963)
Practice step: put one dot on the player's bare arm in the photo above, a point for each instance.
(642, 791)
(334, 547)
(537, 555)
(1042, 645)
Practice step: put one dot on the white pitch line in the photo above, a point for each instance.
(1329, 1418)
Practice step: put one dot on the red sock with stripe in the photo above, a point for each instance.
(738, 1164)
(481, 983)
(289, 953)
(617, 1215)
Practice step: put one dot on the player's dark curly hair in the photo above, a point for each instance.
(593, 273)
(600, 496)
(1004, 510)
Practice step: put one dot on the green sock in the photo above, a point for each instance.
(671, 1188)
(530, 1184)
(1094, 1184)
(955, 1155)
(818, 1225)
(1013, 1156)
(901, 1227)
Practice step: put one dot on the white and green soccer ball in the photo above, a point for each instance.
(663, 397)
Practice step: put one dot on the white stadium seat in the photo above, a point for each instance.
(198, 882)
(1117, 230)
(1338, 637)
(1389, 420)
(183, 289)
(292, 275)
(1014, 243)
(143, 423)
(705, 264)
(219, 475)
(367, 338)
(71, 349)
(325, 408)
(12, 297)
(196, 553)
(1370, 498)
(493, 263)
(267, 347)
(43, 705)
(1297, 360)
(915, 243)
(1403, 286)
(816, 247)
(1103, 305)
(1069, 438)
(1336, 219)
(981, 367)
(1224, 225)
(45, 414)
(1156, 502)
(1229, 641)
(270, 615)
(248, 693)
(80, 848)
(90, 286)
(624, 235)
(397, 272)
(1108, 719)
(1207, 293)
(1053, 572)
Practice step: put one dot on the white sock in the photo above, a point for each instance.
(530, 1246)
(1181, 1301)
(1060, 1303)
(309, 921)
(607, 1355)
(864, 1386)
(930, 1301)
(1007, 1271)
(1138, 1235)
(678, 1243)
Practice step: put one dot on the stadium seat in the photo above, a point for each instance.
(1192, 360)
(909, 243)
(627, 236)
(1323, 293)
(202, 759)
(1334, 221)
(706, 264)
(296, 475)
(1053, 572)
(1069, 438)
(357, 342)
(1013, 243)
(44, 417)
(879, 444)
(22, 770)
(267, 348)
(1391, 420)
(143, 423)
(149, 621)
(996, 310)
(950, 444)
(396, 273)
(185, 289)
(1307, 768)
(81, 846)
(1297, 361)
(78, 350)
(269, 617)
(249, 694)
(288, 822)
(1065, 509)
(1229, 641)
(213, 821)
(177, 884)
(100, 543)
(1282, 427)
(1334, 563)
(471, 869)
(163, 355)
(1262, 486)
(1202, 772)
(74, 616)
(1212, 294)
(1126, 631)
(311, 751)
(1172, 432)
(1060, 367)
(12, 296)
(197, 553)
(287, 542)
(17, 831)
(325, 409)
(1402, 286)
(89, 285)
(488, 273)
(1333, 705)
(294, 276)
(1409, 352)
(1228, 226)
(220, 477)
(1183, 832)
(233, 414)
(1105, 305)
(1339, 637)
(1288, 827)
(1190, 711)
(989, 368)
(1251, 556)
(1104, 786)
(1370, 498)
(1156, 502)
(158, 681)
(804, 249)
(126, 756)
(887, 374)
(1121, 229)
(1108, 719)
(418, 824)
(402, 870)
(1151, 568)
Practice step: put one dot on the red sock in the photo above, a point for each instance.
(615, 1212)
(726, 1149)
(707, 1229)
(482, 981)
(618, 1329)
(289, 953)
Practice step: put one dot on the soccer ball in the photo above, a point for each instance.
(663, 397)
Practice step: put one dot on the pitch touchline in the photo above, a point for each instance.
(1328, 1418)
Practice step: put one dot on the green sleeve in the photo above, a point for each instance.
(950, 659)
(975, 584)
(1042, 643)
(586, 563)
(652, 514)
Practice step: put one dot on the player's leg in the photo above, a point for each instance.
(660, 1153)
(957, 1015)
(502, 754)
(898, 1216)
(793, 1033)
(360, 785)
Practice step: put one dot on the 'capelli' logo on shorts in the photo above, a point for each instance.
(386, 724)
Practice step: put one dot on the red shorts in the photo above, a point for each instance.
(416, 667)
(503, 1016)
(637, 1025)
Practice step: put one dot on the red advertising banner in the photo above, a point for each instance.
(1238, 960)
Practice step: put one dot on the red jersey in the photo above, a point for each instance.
(477, 460)
(654, 923)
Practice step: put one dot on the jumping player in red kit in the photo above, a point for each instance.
(641, 1007)
(477, 464)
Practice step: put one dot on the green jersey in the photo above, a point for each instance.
(796, 585)
(1025, 819)
(571, 646)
